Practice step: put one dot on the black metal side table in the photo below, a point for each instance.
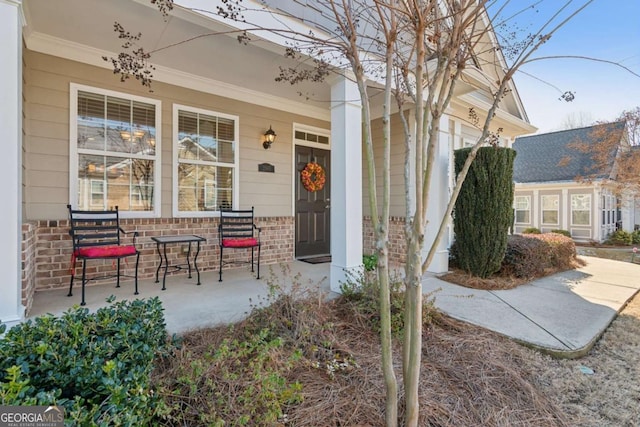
(163, 241)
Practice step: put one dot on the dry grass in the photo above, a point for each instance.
(497, 281)
(470, 376)
(611, 395)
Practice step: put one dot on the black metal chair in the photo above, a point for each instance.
(237, 230)
(97, 235)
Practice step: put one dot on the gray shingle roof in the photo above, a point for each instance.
(549, 157)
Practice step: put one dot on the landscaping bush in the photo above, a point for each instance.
(619, 237)
(561, 250)
(635, 237)
(483, 212)
(96, 365)
(529, 255)
(531, 230)
(566, 233)
(524, 257)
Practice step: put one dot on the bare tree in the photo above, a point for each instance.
(613, 150)
(577, 120)
(418, 52)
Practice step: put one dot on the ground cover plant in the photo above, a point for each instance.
(95, 365)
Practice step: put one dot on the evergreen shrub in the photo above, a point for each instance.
(531, 230)
(95, 365)
(620, 237)
(483, 212)
(566, 233)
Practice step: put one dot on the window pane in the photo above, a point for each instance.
(580, 201)
(226, 152)
(522, 217)
(207, 139)
(119, 127)
(549, 202)
(91, 121)
(225, 187)
(226, 129)
(522, 202)
(550, 217)
(580, 217)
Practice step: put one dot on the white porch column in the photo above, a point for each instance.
(438, 200)
(565, 209)
(535, 209)
(346, 181)
(11, 20)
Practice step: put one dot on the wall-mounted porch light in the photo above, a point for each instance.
(269, 137)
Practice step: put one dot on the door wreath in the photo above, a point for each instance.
(313, 177)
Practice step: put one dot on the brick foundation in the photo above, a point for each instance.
(397, 243)
(46, 249)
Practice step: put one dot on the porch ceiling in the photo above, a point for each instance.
(220, 58)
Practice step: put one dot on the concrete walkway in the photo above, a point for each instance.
(562, 314)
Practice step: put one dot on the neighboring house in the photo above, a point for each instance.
(559, 184)
(171, 158)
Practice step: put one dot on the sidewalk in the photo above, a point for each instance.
(563, 314)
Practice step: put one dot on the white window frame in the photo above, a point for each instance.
(74, 152)
(588, 210)
(515, 208)
(556, 210)
(176, 161)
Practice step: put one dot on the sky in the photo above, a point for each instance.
(605, 29)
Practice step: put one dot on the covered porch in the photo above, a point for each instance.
(188, 306)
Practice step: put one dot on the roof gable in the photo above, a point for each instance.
(563, 155)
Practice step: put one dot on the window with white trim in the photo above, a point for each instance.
(550, 205)
(113, 151)
(580, 209)
(206, 161)
(523, 209)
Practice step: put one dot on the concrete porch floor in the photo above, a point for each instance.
(186, 305)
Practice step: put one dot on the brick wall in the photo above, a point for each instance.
(28, 264)
(46, 249)
(397, 243)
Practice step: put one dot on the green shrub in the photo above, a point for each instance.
(362, 293)
(566, 233)
(531, 230)
(619, 237)
(483, 212)
(635, 237)
(96, 365)
(370, 262)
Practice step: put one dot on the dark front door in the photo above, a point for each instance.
(312, 207)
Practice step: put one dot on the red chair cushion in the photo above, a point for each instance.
(246, 242)
(105, 251)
